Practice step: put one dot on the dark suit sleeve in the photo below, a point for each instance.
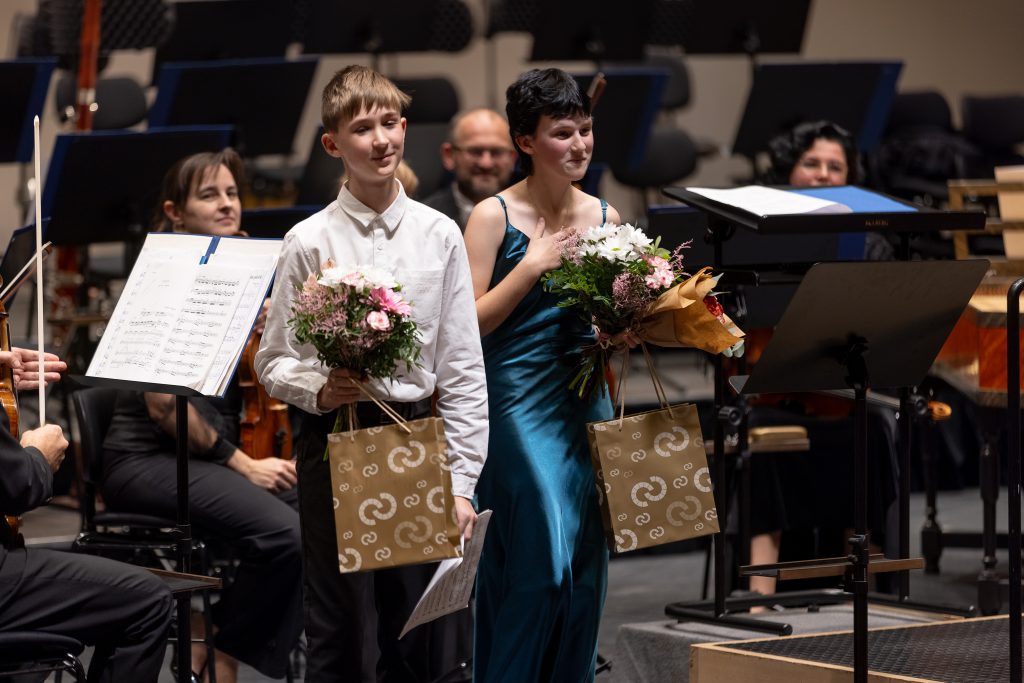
(26, 480)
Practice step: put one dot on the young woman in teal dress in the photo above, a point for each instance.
(543, 573)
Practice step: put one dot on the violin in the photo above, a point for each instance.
(9, 401)
(265, 430)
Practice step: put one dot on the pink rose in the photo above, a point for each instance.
(378, 321)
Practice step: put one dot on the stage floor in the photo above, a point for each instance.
(966, 651)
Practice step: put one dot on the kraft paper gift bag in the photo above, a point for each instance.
(393, 502)
(653, 482)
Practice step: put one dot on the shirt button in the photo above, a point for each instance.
(380, 247)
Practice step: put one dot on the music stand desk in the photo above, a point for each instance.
(860, 325)
(102, 186)
(742, 27)
(262, 98)
(854, 95)
(902, 216)
(199, 33)
(24, 83)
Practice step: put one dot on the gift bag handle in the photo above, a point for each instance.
(659, 390)
(385, 408)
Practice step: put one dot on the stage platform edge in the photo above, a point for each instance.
(963, 650)
(660, 652)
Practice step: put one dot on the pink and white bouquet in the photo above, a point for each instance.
(356, 318)
(625, 284)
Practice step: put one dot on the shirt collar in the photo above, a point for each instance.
(364, 215)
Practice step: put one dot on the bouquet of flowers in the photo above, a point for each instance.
(356, 318)
(625, 284)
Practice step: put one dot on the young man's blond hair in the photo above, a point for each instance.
(358, 88)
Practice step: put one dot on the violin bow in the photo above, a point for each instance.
(39, 276)
(596, 89)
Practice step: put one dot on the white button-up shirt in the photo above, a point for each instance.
(425, 252)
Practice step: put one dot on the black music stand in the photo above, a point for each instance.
(585, 30)
(273, 223)
(746, 27)
(102, 186)
(856, 326)
(333, 27)
(24, 83)
(627, 112)
(20, 248)
(1014, 475)
(262, 98)
(199, 33)
(183, 526)
(855, 95)
(724, 221)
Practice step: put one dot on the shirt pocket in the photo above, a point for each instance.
(422, 289)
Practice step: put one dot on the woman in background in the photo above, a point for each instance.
(247, 502)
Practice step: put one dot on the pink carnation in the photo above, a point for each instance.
(390, 301)
(661, 276)
(378, 321)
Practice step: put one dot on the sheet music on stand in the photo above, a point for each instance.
(186, 311)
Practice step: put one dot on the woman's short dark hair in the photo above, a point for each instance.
(786, 150)
(184, 177)
(540, 92)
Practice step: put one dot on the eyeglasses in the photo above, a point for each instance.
(497, 153)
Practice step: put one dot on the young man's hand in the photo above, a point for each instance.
(338, 390)
(465, 515)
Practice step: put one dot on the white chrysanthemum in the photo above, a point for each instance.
(617, 248)
(332, 277)
(378, 277)
(370, 277)
(635, 237)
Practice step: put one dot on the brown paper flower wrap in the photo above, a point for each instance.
(679, 317)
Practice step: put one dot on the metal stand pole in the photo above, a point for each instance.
(1014, 484)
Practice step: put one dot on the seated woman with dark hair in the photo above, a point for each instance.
(808, 492)
(814, 154)
(244, 500)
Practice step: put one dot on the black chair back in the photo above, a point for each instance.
(94, 408)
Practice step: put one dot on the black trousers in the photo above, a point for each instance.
(259, 614)
(353, 620)
(123, 611)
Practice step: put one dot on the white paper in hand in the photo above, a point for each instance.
(450, 588)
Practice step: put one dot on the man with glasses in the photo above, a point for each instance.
(480, 155)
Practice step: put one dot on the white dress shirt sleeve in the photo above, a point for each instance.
(459, 368)
(289, 372)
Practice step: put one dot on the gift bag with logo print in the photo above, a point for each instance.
(653, 482)
(392, 490)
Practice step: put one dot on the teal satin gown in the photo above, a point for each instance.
(543, 574)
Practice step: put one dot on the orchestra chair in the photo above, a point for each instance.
(142, 539)
(33, 652)
(920, 150)
(996, 125)
(120, 101)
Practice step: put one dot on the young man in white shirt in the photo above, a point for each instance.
(373, 222)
